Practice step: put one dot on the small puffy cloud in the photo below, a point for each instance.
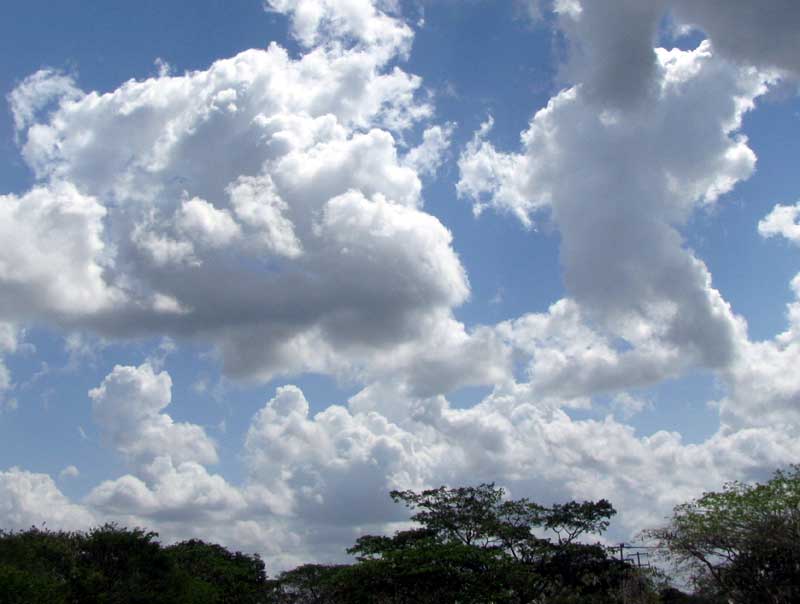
(427, 157)
(781, 221)
(69, 472)
(127, 408)
(490, 177)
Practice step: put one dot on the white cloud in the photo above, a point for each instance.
(36, 93)
(180, 493)
(493, 178)
(569, 360)
(619, 185)
(54, 258)
(217, 205)
(317, 21)
(427, 157)
(29, 499)
(782, 220)
(202, 222)
(69, 471)
(127, 407)
(8, 345)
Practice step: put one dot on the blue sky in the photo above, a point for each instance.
(264, 262)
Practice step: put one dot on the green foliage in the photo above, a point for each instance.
(742, 543)
(36, 566)
(220, 576)
(115, 565)
(474, 546)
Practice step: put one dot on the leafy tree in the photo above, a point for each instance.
(312, 584)
(116, 565)
(217, 575)
(474, 546)
(743, 542)
(36, 566)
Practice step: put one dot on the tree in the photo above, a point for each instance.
(121, 565)
(743, 542)
(36, 566)
(472, 545)
(221, 576)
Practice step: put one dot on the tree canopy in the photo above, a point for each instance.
(741, 543)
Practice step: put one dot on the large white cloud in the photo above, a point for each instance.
(618, 185)
(262, 206)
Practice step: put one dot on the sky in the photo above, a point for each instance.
(263, 262)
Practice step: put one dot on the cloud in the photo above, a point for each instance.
(763, 34)
(618, 186)
(30, 499)
(8, 344)
(182, 494)
(567, 360)
(334, 469)
(764, 390)
(263, 206)
(259, 206)
(611, 49)
(54, 259)
(427, 157)
(319, 21)
(781, 221)
(69, 471)
(127, 408)
(36, 93)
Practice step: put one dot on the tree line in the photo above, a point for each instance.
(468, 545)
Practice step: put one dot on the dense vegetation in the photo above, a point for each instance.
(469, 545)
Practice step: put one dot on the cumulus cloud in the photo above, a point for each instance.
(30, 499)
(34, 95)
(260, 206)
(69, 471)
(569, 361)
(781, 221)
(764, 389)
(54, 259)
(127, 408)
(365, 21)
(334, 469)
(619, 185)
(427, 157)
